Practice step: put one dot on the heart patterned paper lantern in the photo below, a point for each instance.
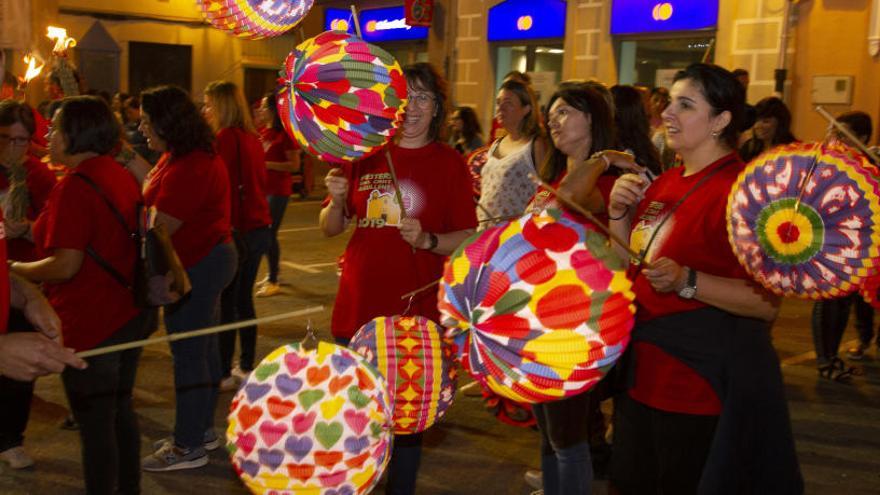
(343, 98)
(418, 366)
(540, 307)
(255, 19)
(310, 422)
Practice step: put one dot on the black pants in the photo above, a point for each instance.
(100, 399)
(15, 396)
(658, 452)
(829, 323)
(237, 302)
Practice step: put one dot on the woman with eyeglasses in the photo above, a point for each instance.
(398, 248)
(25, 184)
(84, 233)
(702, 408)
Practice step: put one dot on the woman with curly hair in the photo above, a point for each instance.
(197, 218)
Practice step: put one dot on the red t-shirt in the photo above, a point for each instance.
(379, 265)
(695, 236)
(39, 181)
(194, 189)
(277, 144)
(76, 217)
(243, 155)
(4, 279)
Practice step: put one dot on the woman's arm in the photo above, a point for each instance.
(737, 296)
(60, 267)
(445, 244)
(291, 165)
(624, 198)
(171, 223)
(332, 219)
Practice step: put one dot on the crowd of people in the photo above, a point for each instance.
(654, 166)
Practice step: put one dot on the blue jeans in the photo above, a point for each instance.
(196, 360)
(565, 447)
(100, 400)
(237, 303)
(277, 207)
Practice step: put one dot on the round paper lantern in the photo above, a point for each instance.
(343, 97)
(540, 307)
(310, 422)
(418, 366)
(255, 19)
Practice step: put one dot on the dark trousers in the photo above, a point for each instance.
(565, 446)
(237, 302)
(15, 396)
(658, 452)
(100, 400)
(197, 360)
(277, 207)
(829, 323)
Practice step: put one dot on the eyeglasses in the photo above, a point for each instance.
(422, 99)
(16, 141)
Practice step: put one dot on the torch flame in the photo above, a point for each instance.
(62, 41)
(32, 69)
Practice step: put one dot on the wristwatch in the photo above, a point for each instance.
(690, 288)
(432, 241)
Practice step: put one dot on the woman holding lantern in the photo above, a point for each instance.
(397, 248)
(701, 359)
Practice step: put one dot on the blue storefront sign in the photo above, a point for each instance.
(377, 25)
(527, 19)
(653, 16)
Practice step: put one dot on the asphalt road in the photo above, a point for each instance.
(837, 426)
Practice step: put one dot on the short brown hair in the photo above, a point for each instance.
(423, 75)
(530, 125)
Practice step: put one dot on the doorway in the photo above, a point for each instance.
(543, 63)
(653, 62)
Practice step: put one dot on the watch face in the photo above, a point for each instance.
(688, 292)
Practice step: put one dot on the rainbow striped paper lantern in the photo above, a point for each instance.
(343, 98)
(310, 422)
(539, 307)
(255, 19)
(417, 364)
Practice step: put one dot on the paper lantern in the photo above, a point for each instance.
(343, 98)
(418, 366)
(804, 220)
(310, 422)
(255, 19)
(540, 306)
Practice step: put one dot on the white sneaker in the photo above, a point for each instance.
(17, 458)
(268, 289)
(240, 374)
(535, 479)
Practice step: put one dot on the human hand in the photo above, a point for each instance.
(628, 190)
(337, 187)
(411, 231)
(25, 356)
(15, 228)
(42, 316)
(665, 275)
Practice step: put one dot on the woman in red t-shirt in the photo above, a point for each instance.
(23, 202)
(91, 260)
(188, 191)
(240, 148)
(686, 422)
(392, 250)
(282, 159)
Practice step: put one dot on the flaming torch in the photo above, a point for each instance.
(62, 67)
(35, 65)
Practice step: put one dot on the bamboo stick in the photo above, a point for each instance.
(197, 333)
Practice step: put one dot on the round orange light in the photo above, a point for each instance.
(524, 23)
(339, 25)
(371, 27)
(662, 11)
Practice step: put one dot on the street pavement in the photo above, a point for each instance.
(837, 426)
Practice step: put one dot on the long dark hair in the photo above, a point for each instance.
(773, 107)
(423, 75)
(470, 125)
(175, 118)
(632, 127)
(723, 92)
(586, 99)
